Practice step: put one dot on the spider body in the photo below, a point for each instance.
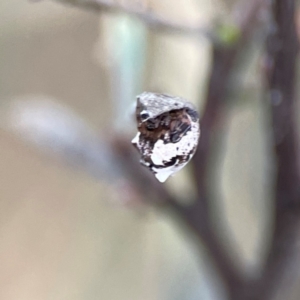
(168, 133)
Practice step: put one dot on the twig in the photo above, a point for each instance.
(153, 21)
(282, 53)
(223, 62)
(204, 233)
(55, 129)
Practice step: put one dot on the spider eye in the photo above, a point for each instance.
(144, 115)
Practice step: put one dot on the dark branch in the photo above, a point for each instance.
(282, 53)
(224, 58)
(159, 196)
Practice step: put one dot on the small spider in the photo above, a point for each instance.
(168, 133)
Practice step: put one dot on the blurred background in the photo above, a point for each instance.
(70, 76)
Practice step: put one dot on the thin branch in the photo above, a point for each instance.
(56, 130)
(223, 63)
(282, 53)
(152, 20)
(204, 233)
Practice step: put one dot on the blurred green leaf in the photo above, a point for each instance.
(228, 34)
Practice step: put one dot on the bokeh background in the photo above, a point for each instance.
(66, 234)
